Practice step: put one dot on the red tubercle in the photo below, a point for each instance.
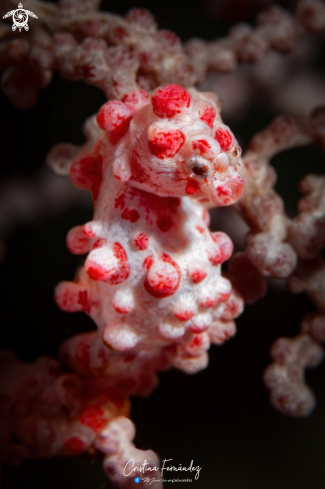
(93, 417)
(86, 173)
(201, 146)
(74, 445)
(141, 241)
(161, 283)
(198, 275)
(192, 186)
(169, 100)
(88, 231)
(209, 302)
(121, 310)
(136, 99)
(200, 229)
(165, 144)
(99, 243)
(208, 116)
(148, 262)
(77, 242)
(131, 215)
(198, 329)
(224, 138)
(115, 273)
(224, 242)
(114, 117)
(184, 315)
(96, 273)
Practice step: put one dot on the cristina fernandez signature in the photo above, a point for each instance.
(144, 467)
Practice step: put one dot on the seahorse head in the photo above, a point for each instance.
(174, 143)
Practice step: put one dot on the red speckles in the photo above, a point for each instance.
(222, 191)
(131, 215)
(165, 144)
(74, 445)
(141, 241)
(93, 417)
(169, 100)
(135, 99)
(198, 275)
(201, 146)
(163, 277)
(224, 138)
(114, 117)
(82, 354)
(120, 201)
(224, 243)
(200, 229)
(208, 115)
(86, 173)
(148, 262)
(83, 301)
(192, 186)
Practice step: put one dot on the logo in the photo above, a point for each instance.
(20, 18)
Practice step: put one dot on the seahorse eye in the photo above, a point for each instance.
(198, 165)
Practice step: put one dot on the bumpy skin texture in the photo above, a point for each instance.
(152, 279)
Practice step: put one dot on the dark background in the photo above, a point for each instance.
(221, 418)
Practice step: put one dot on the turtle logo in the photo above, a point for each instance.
(20, 18)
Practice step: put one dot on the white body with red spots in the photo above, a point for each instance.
(152, 279)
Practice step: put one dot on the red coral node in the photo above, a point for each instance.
(166, 144)
(114, 117)
(163, 277)
(86, 173)
(169, 100)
